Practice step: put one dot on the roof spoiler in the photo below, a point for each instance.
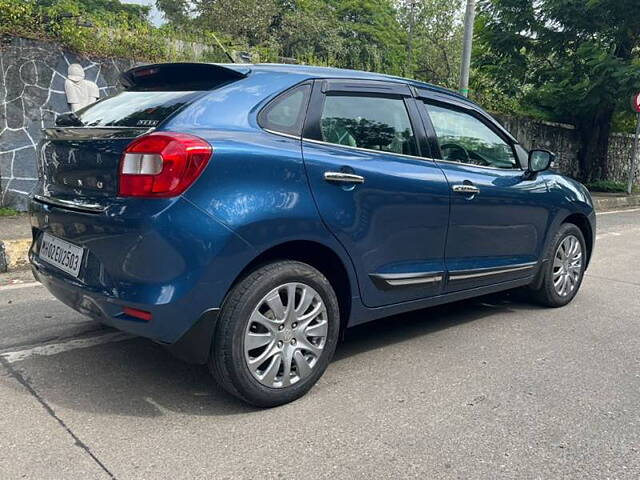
(181, 76)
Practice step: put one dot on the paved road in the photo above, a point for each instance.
(491, 388)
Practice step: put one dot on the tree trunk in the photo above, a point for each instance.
(594, 146)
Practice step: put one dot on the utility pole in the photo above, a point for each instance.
(469, 17)
(409, 69)
(634, 157)
(635, 103)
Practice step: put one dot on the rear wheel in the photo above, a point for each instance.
(564, 271)
(276, 334)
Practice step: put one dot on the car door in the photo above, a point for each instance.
(499, 217)
(364, 147)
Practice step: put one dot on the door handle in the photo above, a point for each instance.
(466, 189)
(342, 177)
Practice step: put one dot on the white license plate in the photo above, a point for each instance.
(62, 254)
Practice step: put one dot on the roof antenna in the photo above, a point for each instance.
(223, 49)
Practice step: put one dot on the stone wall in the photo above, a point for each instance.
(562, 139)
(557, 137)
(620, 151)
(32, 76)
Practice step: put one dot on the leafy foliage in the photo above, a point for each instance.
(436, 46)
(359, 34)
(114, 31)
(8, 212)
(362, 34)
(103, 8)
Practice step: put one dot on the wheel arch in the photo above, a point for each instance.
(582, 222)
(319, 256)
(578, 219)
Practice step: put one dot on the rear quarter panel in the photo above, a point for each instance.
(255, 184)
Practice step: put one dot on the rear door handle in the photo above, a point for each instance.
(341, 177)
(466, 189)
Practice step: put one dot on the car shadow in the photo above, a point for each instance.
(140, 378)
(400, 328)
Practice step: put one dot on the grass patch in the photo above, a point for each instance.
(8, 212)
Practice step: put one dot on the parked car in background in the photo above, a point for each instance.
(245, 215)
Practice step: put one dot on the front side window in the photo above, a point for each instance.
(465, 139)
(374, 123)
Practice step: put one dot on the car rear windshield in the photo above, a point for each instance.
(134, 109)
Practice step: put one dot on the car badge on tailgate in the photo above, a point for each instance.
(147, 123)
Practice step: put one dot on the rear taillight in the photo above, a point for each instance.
(162, 164)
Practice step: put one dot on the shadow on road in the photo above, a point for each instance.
(400, 328)
(139, 378)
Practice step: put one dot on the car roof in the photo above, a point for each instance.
(241, 70)
(314, 72)
(331, 72)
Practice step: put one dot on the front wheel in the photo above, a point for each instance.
(563, 273)
(276, 334)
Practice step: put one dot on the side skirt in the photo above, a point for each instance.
(361, 314)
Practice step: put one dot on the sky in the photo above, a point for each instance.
(156, 16)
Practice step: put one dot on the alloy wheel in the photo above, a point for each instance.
(286, 335)
(567, 266)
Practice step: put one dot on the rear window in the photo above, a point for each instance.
(134, 109)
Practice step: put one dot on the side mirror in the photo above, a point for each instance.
(539, 161)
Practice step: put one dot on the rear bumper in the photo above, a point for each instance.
(174, 262)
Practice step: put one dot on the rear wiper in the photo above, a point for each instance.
(68, 120)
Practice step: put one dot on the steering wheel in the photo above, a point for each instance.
(461, 154)
(456, 152)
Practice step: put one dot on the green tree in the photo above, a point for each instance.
(575, 61)
(308, 31)
(434, 46)
(248, 20)
(103, 8)
(360, 34)
(176, 12)
(373, 36)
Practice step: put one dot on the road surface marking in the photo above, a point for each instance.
(618, 211)
(56, 348)
(15, 286)
(617, 234)
(608, 234)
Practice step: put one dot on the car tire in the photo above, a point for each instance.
(566, 249)
(258, 313)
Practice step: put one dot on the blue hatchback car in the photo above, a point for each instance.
(245, 215)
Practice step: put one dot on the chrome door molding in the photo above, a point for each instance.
(366, 150)
(407, 279)
(487, 272)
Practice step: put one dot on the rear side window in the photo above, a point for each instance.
(134, 109)
(286, 113)
(374, 123)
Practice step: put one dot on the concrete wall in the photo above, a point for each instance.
(32, 76)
